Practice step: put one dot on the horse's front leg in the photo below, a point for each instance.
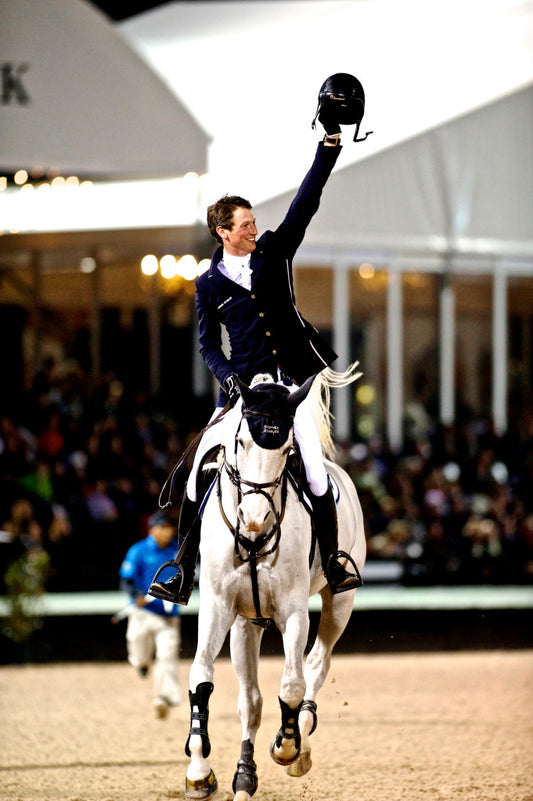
(214, 622)
(285, 746)
(245, 645)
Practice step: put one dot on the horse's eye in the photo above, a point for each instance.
(240, 442)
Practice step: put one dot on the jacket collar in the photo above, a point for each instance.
(256, 262)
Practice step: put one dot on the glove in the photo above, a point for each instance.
(231, 386)
(330, 124)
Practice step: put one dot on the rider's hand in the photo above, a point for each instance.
(231, 385)
(330, 123)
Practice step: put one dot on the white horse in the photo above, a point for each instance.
(256, 545)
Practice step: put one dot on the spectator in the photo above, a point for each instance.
(153, 625)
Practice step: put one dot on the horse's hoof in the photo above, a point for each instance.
(242, 795)
(300, 766)
(280, 760)
(201, 789)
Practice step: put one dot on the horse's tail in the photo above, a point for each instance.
(320, 395)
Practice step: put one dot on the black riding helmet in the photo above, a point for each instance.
(342, 99)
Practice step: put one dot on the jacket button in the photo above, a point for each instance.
(268, 333)
(252, 297)
(274, 353)
(261, 314)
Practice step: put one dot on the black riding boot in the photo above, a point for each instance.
(325, 516)
(178, 588)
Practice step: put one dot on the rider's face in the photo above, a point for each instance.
(240, 239)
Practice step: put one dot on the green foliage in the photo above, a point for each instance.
(25, 582)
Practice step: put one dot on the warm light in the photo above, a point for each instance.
(58, 181)
(365, 394)
(3, 183)
(365, 426)
(367, 271)
(191, 177)
(168, 266)
(204, 265)
(149, 264)
(20, 177)
(88, 264)
(187, 267)
(72, 180)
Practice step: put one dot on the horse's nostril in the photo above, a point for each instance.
(266, 515)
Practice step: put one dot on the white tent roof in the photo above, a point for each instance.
(250, 71)
(78, 100)
(465, 186)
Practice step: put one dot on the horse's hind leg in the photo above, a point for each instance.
(245, 642)
(336, 611)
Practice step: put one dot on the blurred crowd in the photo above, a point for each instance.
(81, 470)
(455, 506)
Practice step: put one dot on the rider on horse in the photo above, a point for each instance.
(249, 290)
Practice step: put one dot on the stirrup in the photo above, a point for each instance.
(345, 581)
(173, 589)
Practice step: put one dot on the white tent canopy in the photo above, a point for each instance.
(250, 72)
(464, 187)
(76, 99)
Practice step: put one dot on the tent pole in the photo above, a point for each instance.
(394, 358)
(499, 348)
(341, 344)
(447, 349)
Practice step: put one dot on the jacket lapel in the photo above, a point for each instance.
(256, 263)
(222, 284)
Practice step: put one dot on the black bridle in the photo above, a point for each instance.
(247, 549)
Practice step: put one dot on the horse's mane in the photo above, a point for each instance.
(320, 397)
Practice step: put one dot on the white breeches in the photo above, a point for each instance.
(305, 434)
(150, 635)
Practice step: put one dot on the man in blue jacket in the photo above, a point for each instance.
(153, 625)
(249, 290)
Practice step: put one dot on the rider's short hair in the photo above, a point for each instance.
(220, 214)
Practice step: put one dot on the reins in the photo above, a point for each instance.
(185, 455)
(253, 547)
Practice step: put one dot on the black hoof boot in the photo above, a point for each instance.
(245, 778)
(199, 702)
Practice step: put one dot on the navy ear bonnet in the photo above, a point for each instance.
(269, 416)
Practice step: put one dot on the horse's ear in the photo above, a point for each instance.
(247, 394)
(299, 395)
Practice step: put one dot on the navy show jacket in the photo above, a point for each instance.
(265, 328)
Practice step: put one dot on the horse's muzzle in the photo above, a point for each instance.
(254, 514)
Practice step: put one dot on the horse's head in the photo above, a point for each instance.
(263, 439)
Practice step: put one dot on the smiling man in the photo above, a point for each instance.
(249, 291)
